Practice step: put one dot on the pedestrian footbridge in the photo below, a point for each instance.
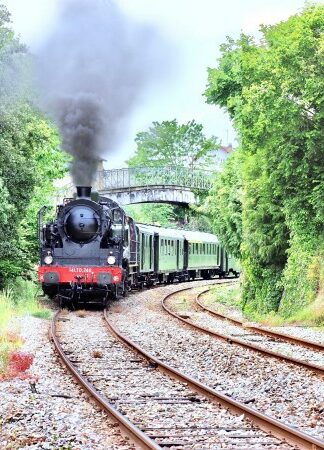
(175, 185)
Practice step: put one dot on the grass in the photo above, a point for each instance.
(312, 314)
(181, 303)
(225, 295)
(18, 300)
(230, 296)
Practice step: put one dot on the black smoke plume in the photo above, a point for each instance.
(91, 71)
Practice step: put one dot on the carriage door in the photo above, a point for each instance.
(142, 250)
(222, 258)
(185, 254)
(156, 253)
(178, 254)
(226, 261)
(151, 251)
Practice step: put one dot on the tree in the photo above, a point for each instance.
(273, 90)
(171, 144)
(165, 144)
(29, 160)
(224, 204)
(152, 213)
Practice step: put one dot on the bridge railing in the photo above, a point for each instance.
(155, 176)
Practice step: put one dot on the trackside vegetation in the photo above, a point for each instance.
(267, 206)
(30, 159)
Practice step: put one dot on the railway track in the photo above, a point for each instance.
(266, 423)
(158, 412)
(290, 394)
(211, 426)
(259, 330)
(127, 427)
(250, 332)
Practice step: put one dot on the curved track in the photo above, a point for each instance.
(246, 344)
(266, 423)
(147, 441)
(261, 330)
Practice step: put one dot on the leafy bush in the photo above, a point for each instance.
(273, 91)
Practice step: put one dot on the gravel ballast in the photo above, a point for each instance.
(196, 315)
(165, 409)
(289, 393)
(58, 415)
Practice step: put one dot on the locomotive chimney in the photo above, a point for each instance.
(83, 191)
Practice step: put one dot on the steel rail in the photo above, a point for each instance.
(127, 427)
(241, 342)
(261, 330)
(265, 422)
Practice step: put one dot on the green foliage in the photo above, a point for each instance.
(224, 204)
(171, 144)
(29, 159)
(198, 221)
(21, 298)
(273, 90)
(152, 213)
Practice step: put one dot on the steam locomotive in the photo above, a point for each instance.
(93, 251)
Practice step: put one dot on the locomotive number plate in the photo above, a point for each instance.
(80, 270)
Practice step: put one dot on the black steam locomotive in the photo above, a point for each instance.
(93, 251)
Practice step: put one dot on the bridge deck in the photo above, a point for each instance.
(137, 177)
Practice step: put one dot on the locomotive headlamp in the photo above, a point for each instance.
(48, 259)
(111, 259)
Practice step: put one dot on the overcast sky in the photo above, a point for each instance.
(193, 29)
